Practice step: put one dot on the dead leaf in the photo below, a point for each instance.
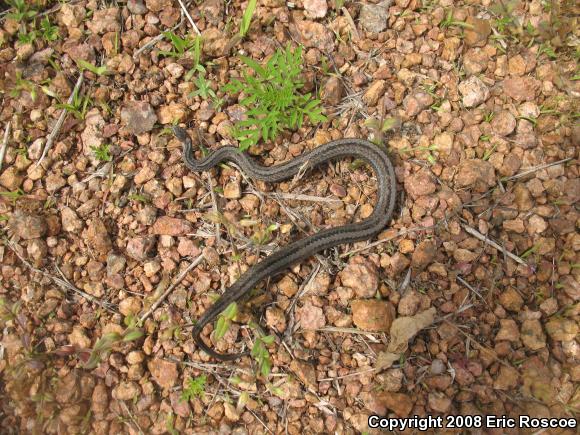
(386, 360)
(402, 330)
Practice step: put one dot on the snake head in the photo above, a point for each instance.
(180, 133)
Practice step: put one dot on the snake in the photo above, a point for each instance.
(280, 260)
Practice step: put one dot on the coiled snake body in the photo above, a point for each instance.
(307, 247)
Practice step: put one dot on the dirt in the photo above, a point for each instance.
(466, 304)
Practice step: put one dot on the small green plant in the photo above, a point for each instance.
(489, 152)
(22, 85)
(260, 353)
(262, 237)
(204, 89)
(488, 117)
(534, 121)
(98, 70)
(25, 37)
(14, 195)
(180, 45)
(530, 251)
(272, 98)
(195, 388)
(102, 153)
(22, 11)
(139, 197)
(105, 344)
(170, 424)
(428, 150)
(9, 311)
(247, 17)
(380, 127)
(79, 105)
(449, 21)
(546, 49)
(50, 33)
(225, 320)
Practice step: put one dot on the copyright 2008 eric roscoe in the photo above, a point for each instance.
(471, 422)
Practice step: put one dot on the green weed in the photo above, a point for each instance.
(449, 21)
(272, 99)
(79, 105)
(22, 85)
(22, 11)
(225, 320)
(260, 353)
(139, 197)
(195, 388)
(102, 153)
(105, 344)
(247, 18)
(203, 88)
(430, 157)
(25, 37)
(14, 195)
(264, 236)
(98, 70)
(50, 33)
(489, 152)
(180, 45)
(380, 127)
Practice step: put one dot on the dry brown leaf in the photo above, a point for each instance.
(402, 330)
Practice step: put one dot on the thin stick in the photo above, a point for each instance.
(401, 232)
(4, 143)
(368, 335)
(180, 277)
(355, 35)
(215, 210)
(189, 18)
(470, 287)
(350, 375)
(154, 41)
(131, 416)
(535, 169)
(57, 127)
(490, 242)
(301, 197)
(64, 282)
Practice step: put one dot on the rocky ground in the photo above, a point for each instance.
(466, 304)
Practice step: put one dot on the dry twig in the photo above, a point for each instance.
(158, 302)
(490, 242)
(536, 168)
(4, 143)
(184, 9)
(149, 45)
(57, 127)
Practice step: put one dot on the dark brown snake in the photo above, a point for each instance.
(307, 247)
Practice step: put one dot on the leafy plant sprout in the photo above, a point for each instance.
(102, 153)
(247, 17)
(181, 45)
(272, 99)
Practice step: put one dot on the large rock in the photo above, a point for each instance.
(27, 226)
(138, 117)
(373, 18)
(372, 314)
(475, 173)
